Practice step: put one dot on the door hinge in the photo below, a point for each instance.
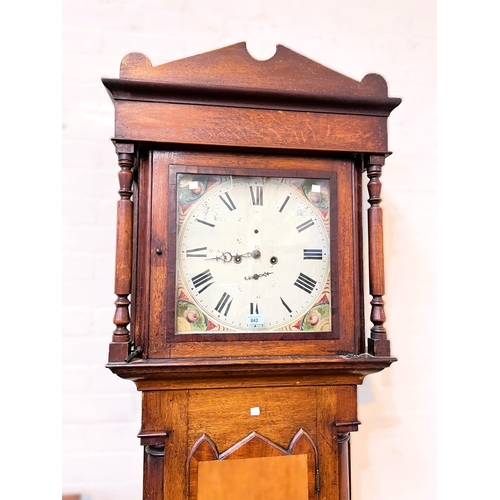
(136, 353)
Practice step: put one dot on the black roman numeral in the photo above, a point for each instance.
(254, 310)
(224, 302)
(257, 195)
(204, 278)
(305, 225)
(313, 253)
(229, 202)
(284, 203)
(305, 283)
(286, 305)
(205, 222)
(197, 252)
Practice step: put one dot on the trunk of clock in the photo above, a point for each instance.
(246, 443)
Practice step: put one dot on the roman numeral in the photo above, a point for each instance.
(313, 253)
(222, 302)
(284, 203)
(254, 310)
(229, 202)
(197, 252)
(204, 278)
(205, 222)
(286, 305)
(305, 225)
(305, 283)
(257, 195)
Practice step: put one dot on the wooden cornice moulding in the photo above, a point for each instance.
(232, 77)
(204, 373)
(262, 104)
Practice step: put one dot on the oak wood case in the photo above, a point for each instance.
(222, 111)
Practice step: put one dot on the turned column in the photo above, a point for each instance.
(154, 464)
(344, 466)
(120, 345)
(378, 344)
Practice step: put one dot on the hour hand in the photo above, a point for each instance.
(257, 276)
(225, 257)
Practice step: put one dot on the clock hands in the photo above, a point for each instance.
(228, 256)
(225, 257)
(257, 276)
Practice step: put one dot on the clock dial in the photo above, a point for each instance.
(253, 254)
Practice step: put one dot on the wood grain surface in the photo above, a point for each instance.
(277, 406)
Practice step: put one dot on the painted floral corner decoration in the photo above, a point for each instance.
(317, 319)
(317, 192)
(190, 318)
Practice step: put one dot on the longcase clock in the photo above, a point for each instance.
(239, 269)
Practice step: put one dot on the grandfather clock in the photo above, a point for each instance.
(239, 269)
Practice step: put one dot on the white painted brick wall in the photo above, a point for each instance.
(394, 450)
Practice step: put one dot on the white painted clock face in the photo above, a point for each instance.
(253, 253)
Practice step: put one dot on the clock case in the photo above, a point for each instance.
(225, 111)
